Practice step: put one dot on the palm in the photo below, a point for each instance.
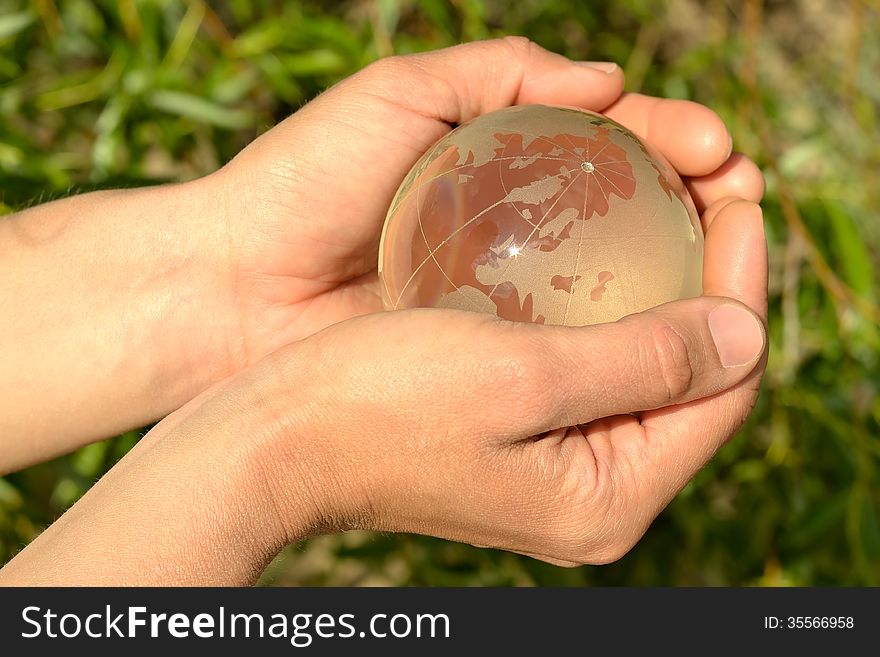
(311, 261)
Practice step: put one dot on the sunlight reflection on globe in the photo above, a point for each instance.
(541, 214)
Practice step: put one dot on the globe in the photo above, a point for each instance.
(541, 214)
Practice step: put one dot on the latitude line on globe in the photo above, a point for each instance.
(440, 246)
(422, 227)
(429, 155)
(425, 238)
(617, 240)
(491, 207)
(534, 230)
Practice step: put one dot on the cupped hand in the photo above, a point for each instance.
(440, 422)
(306, 201)
(562, 443)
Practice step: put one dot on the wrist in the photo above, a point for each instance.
(200, 345)
(111, 300)
(187, 506)
(312, 484)
(174, 292)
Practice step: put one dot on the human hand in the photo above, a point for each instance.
(210, 275)
(440, 422)
(400, 93)
(275, 275)
(457, 425)
(306, 201)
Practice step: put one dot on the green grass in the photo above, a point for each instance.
(97, 94)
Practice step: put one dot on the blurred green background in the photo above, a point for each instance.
(100, 93)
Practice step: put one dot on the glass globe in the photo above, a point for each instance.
(541, 214)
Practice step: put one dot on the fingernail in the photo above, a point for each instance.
(738, 336)
(605, 67)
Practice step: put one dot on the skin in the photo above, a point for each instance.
(242, 308)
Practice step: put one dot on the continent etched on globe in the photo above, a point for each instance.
(541, 214)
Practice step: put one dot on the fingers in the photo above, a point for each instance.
(692, 137)
(370, 129)
(735, 257)
(459, 83)
(671, 354)
(640, 467)
(695, 141)
(738, 177)
(435, 407)
(683, 438)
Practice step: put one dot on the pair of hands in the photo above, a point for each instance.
(322, 414)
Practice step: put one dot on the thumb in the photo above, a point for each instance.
(670, 354)
(456, 84)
